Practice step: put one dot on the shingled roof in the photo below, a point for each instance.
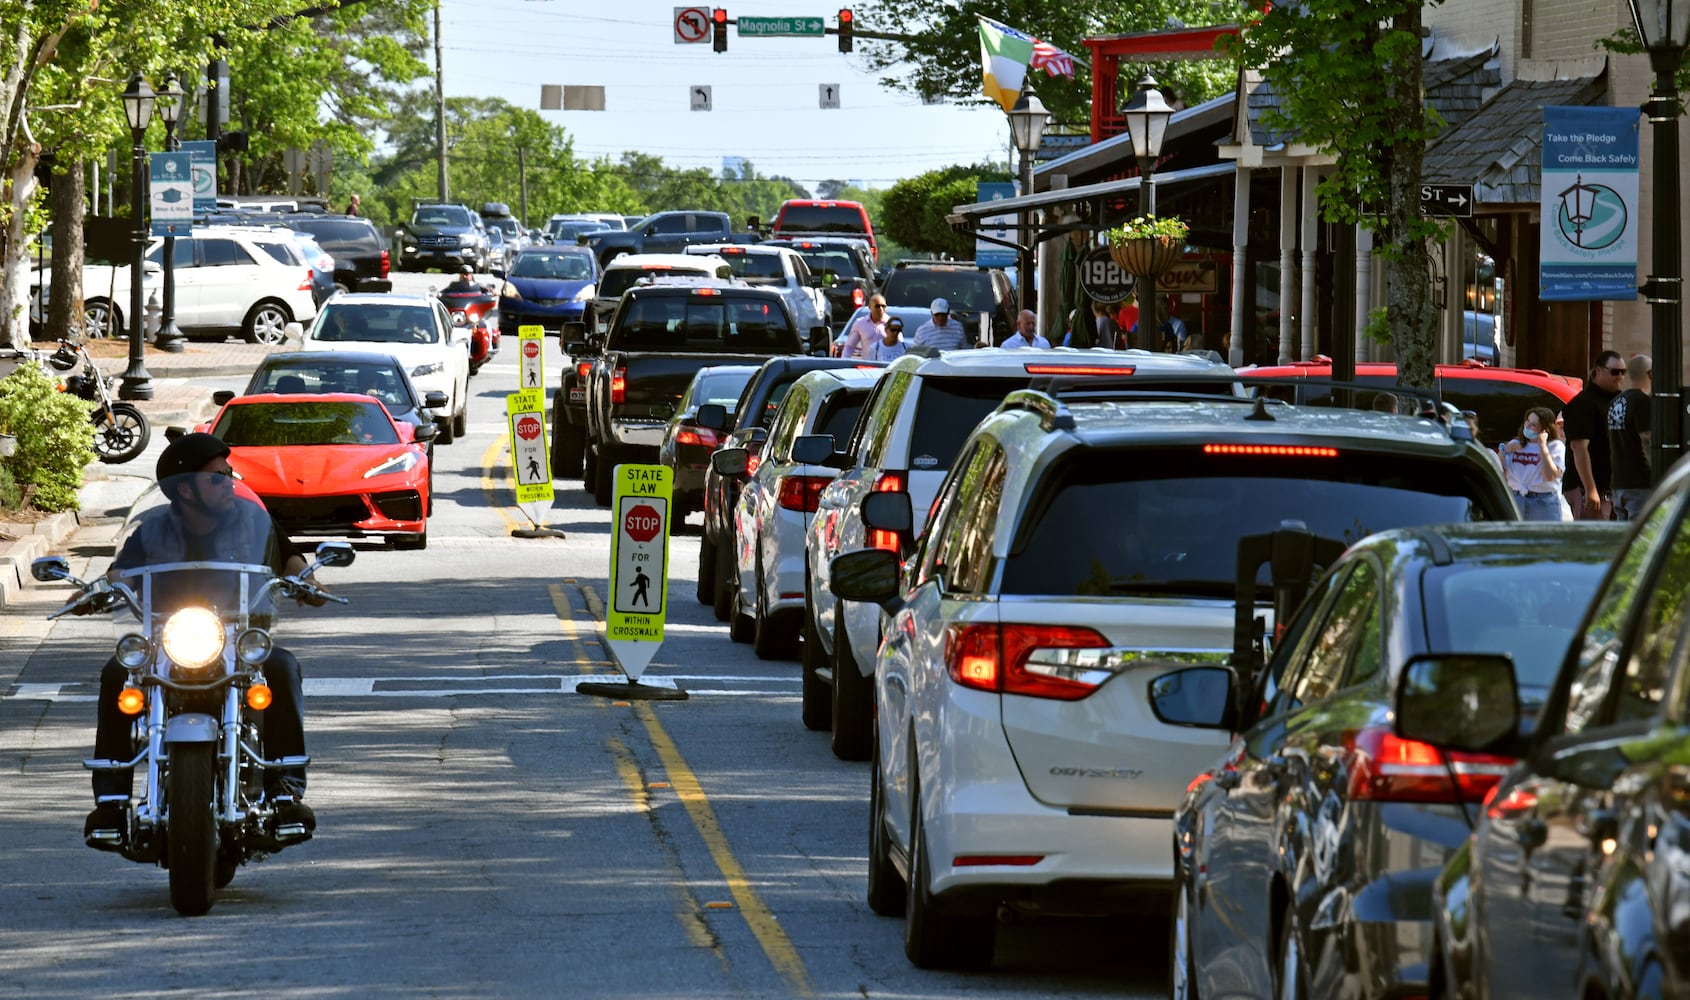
(1499, 149)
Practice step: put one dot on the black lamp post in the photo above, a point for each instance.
(1027, 122)
(1147, 115)
(138, 108)
(1663, 26)
(169, 338)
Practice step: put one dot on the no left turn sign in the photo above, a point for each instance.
(692, 24)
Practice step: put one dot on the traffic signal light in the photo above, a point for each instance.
(719, 17)
(845, 25)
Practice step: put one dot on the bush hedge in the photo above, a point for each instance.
(55, 437)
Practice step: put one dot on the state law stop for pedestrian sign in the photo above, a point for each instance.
(639, 565)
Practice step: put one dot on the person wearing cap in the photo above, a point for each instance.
(207, 510)
(465, 285)
(866, 330)
(1630, 476)
(939, 333)
(1026, 332)
(891, 346)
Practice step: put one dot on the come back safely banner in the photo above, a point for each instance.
(1590, 221)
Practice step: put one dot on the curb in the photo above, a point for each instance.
(45, 535)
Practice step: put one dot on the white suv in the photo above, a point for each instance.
(914, 423)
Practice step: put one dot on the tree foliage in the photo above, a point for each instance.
(941, 58)
(1347, 75)
(913, 210)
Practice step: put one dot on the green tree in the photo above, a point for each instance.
(941, 57)
(1347, 75)
(912, 212)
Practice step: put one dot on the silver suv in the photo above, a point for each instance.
(911, 429)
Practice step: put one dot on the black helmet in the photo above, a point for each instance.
(189, 453)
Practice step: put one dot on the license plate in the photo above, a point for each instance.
(577, 395)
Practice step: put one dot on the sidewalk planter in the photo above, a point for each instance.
(1147, 257)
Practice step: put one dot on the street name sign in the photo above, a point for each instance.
(531, 342)
(769, 27)
(639, 565)
(530, 458)
(1447, 199)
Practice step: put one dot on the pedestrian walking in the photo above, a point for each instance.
(1173, 329)
(1534, 462)
(1108, 334)
(1631, 477)
(891, 346)
(355, 206)
(940, 333)
(866, 331)
(1585, 420)
(1026, 332)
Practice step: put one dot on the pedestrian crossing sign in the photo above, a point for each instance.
(530, 459)
(639, 565)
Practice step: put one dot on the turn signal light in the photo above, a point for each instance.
(259, 697)
(131, 701)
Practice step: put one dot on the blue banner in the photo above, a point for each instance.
(171, 187)
(1002, 227)
(1589, 200)
(204, 154)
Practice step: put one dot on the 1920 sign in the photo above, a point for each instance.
(1102, 278)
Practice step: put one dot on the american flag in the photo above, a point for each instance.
(1052, 60)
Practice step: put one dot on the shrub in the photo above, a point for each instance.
(55, 437)
(11, 497)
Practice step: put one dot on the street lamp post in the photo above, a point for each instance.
(1663, 26)
(1027, 122)
(1147, 115)
(138, 108)
(169, 102)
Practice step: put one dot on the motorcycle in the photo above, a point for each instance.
(479, 311)
(121, 430)
(193, 636)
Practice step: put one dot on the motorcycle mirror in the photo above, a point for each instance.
(50, 568)
(335, 554)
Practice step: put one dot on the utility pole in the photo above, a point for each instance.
(440, 103)
(522, 181)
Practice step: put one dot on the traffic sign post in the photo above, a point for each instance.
(531, 374)
(1455, 200)
(639, 577)
(525, 411)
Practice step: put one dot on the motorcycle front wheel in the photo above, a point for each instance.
(122, 435)
(191, 831)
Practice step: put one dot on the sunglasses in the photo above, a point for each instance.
(1617, 372)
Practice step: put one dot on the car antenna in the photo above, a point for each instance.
(1261, 410)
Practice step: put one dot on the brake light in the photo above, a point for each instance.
(1012, 860)
(1387, 768)
(730, 251)
(583, 369)
(995, 658)
(305, 286)
(703, 437)
(705, 291)
(752, 460)
(802, 493)
(857, 297)
(618, 386)
(386, 263)
(654, 267)
(1515, 804)
(889, 482)
(1080, 369)
(1272, 450)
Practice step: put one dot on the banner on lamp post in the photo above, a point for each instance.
(1589, 204)
(204, 157)
(171, 197)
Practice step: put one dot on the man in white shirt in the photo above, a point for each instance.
(939, 333)
(866, 332)
(1026, 332)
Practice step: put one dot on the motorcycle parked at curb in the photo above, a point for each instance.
(121, 431)
(193, 636)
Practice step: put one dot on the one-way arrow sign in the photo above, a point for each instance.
(1447, 199)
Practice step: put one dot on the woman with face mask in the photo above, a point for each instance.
(1533, 462)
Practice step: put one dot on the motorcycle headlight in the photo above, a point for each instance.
(584, 295)
(253, 646)
(404, 462)
(410, 249)
(193, 638)
(134, 651)
(428, 369)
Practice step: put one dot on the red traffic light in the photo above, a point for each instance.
(845, 26)
(719, 15)
(845, 15)
(719, 41)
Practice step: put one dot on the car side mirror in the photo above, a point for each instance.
(729, 461)
(712, 415)
(425, 431)
(871, 575)
(293, 331)
(1199, 697)
(889, 511)
(335, 554)
(434, 399)
(812, 449)
(821, 339)
(1459, 701)
(222, 396)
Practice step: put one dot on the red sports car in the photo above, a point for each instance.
(330, 464)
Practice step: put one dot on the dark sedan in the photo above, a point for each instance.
(1304, 862)
(687, 444)
(549, 287)
(1576, 879)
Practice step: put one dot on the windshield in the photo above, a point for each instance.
(554, 266)
(720, 387)
(340, 234)
(966, 290)
(307, 422)
(441, 215)
(1167, 521)
(375, 323)
(821, 219)
(617, 280)
(1526, 608)
(756, 268)
(383, 382)
(700, 323)
(197, 539)
(832, 265)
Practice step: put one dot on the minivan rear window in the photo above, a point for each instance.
(947, 412)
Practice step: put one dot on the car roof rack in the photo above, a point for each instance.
(1053, 416)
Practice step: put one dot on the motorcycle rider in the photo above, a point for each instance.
(465, 285)
(203, 499)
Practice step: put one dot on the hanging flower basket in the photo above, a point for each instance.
(1147, 257)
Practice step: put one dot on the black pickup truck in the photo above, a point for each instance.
(665, 232)
(661, 336)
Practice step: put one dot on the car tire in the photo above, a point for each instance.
(886, 888)
(706, 570)
(100, 318)
(266, 323)
(771, 638)
(446, 435)
(1182, 972)
(567, 441)
(589, 466)
(817, 694)
(1290, 977)
(410, 543)
(603, 484)
(853, 697)
(721, 604)
(932, 939)
(741, 626)
(460, 422)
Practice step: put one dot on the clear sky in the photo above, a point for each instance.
(765, 90)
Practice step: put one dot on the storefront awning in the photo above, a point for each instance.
(969, 218)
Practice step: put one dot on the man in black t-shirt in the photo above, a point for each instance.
(1585, 424)
(1628, 441)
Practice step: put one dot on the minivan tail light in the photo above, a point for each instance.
(889, 482)
(1384, 767)
(801, 493)
(1001, 659)
(618, 386)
